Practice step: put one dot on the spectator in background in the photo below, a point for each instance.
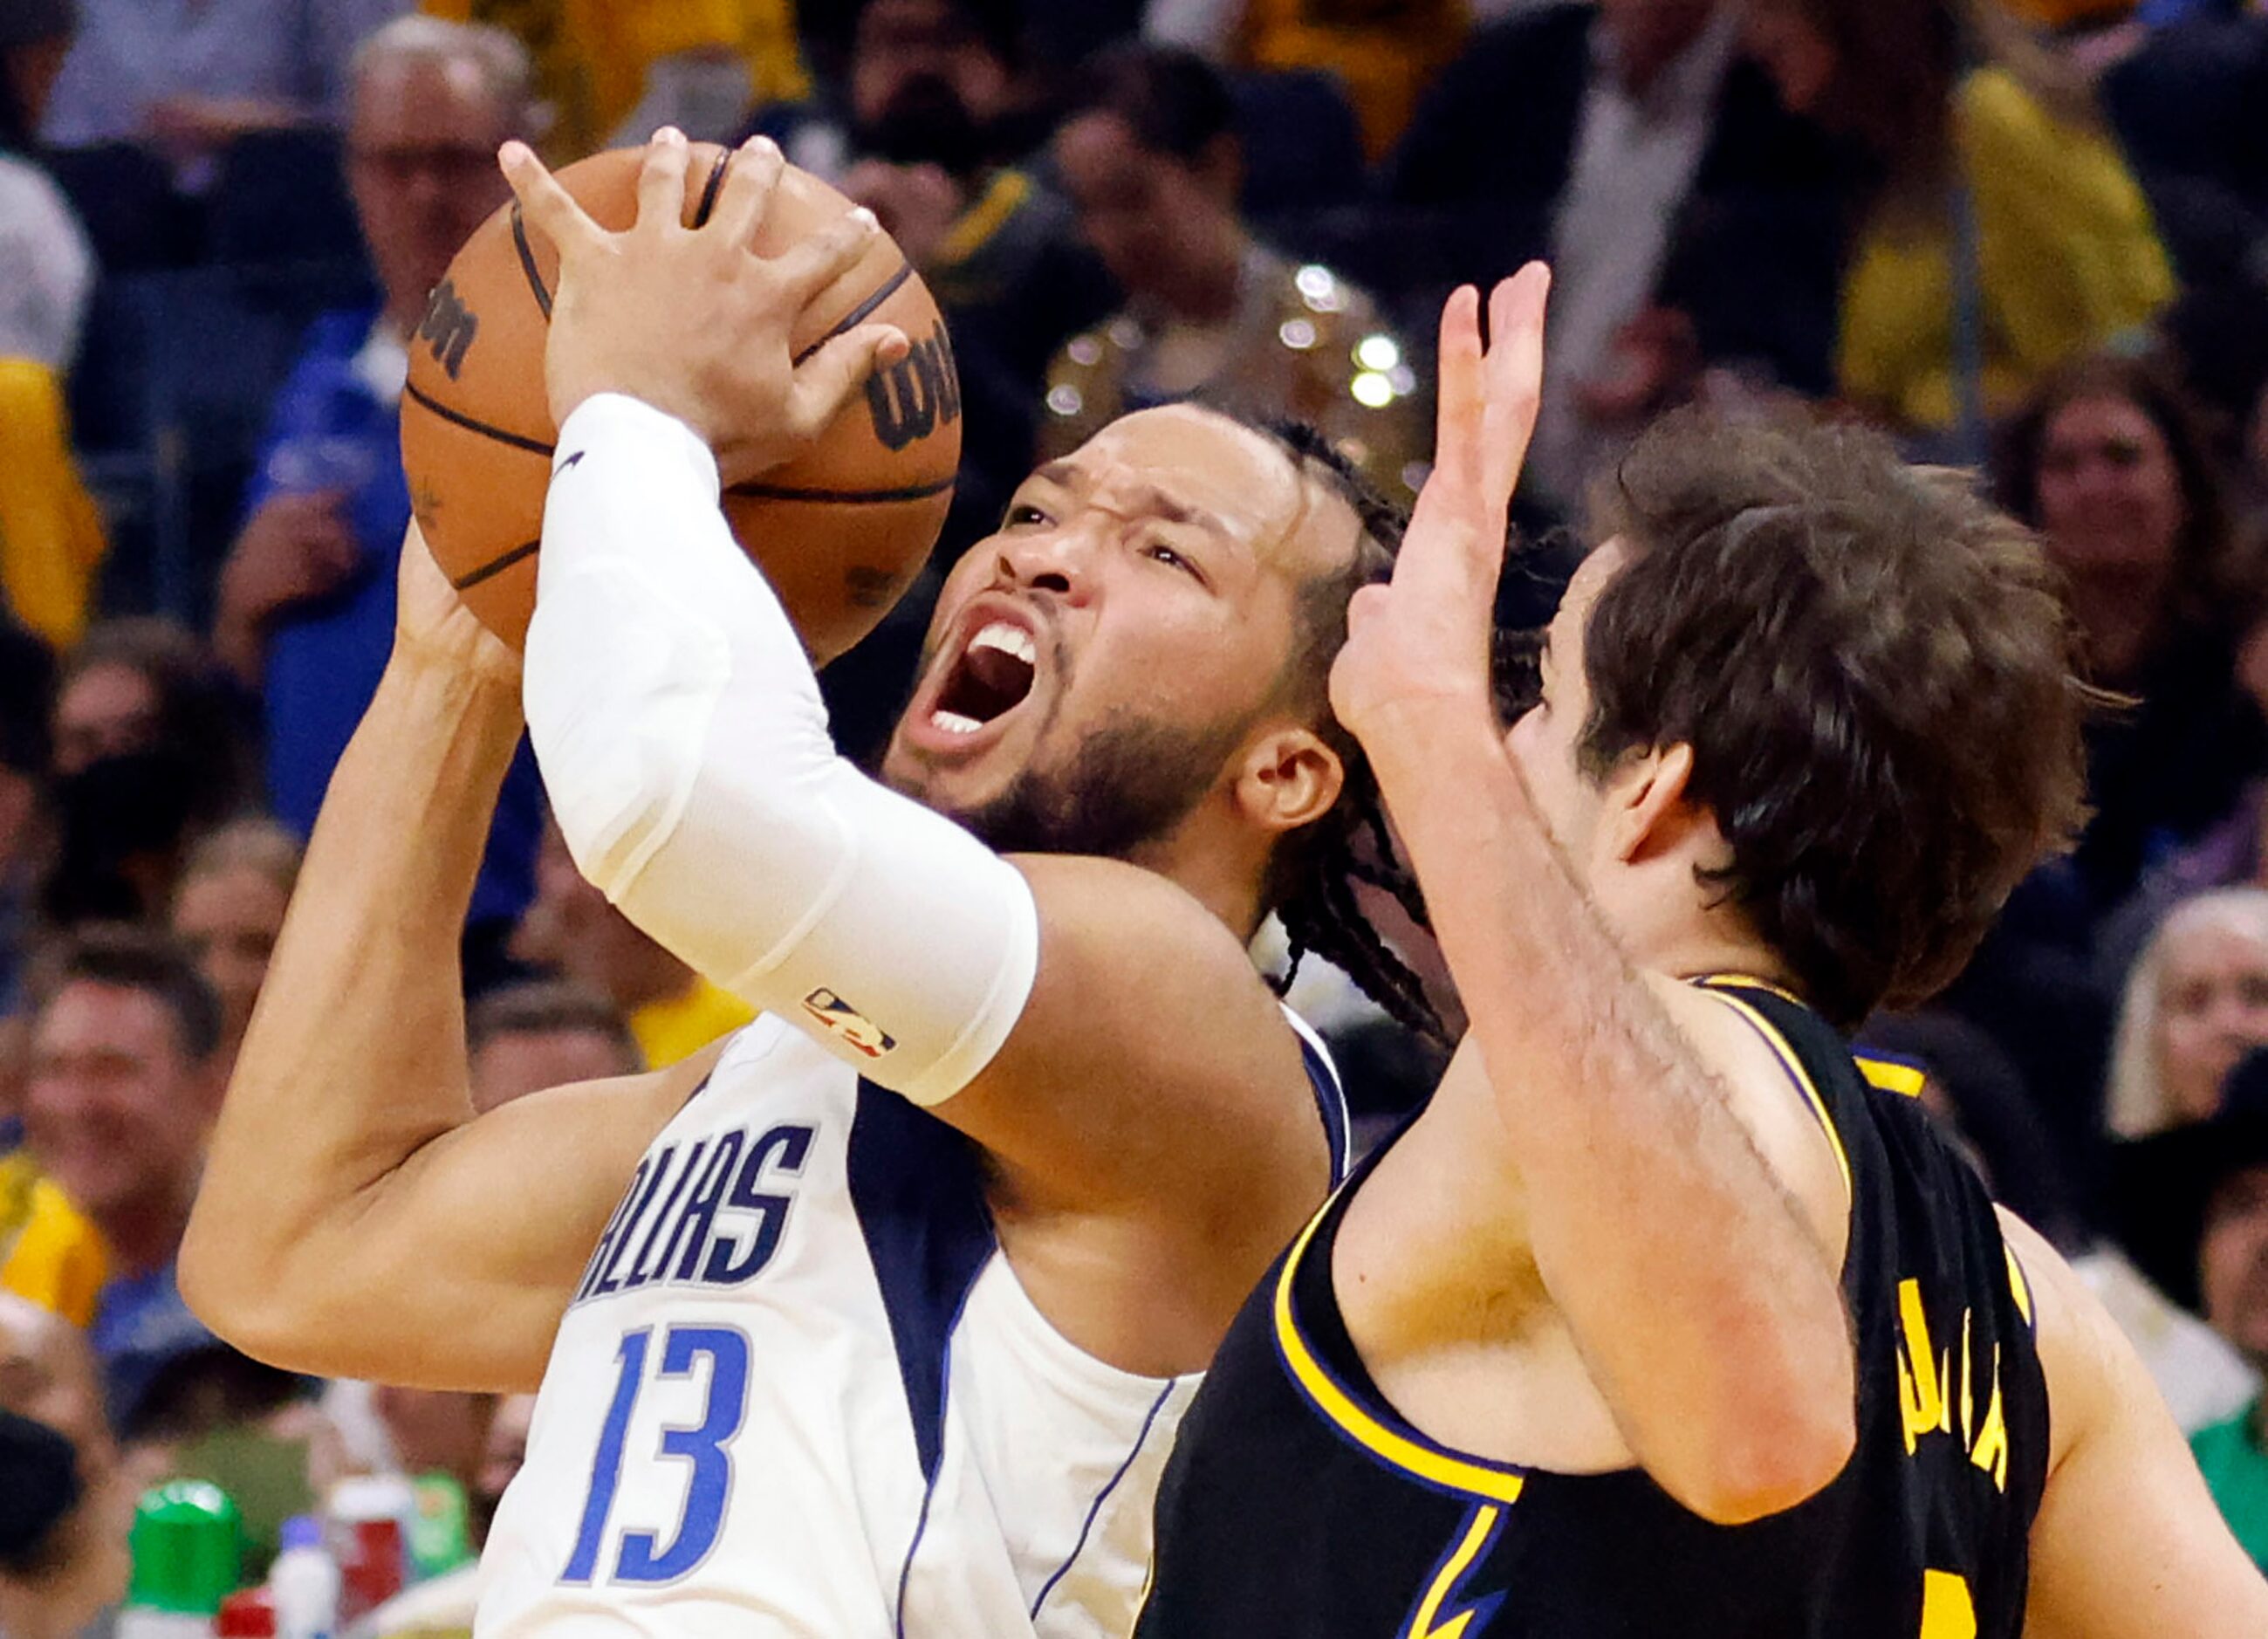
(305, 604)
(570, 930)
(527, 1037)
(52, 539)
(27, 674)
(2107, 462)
(228, 909)
(1151, 158)
(63, 1559)
(932, 131)
(46, 267)
(147, 756)
(609, 71)
(123, 1093)
(189, 76)
(2185, 99)
(140, 684)
(1385, 52)
(2210, 1181)
(1689, 219)
(1964, 120)
(48, 1373)
(50, 1255)
(2196, 1003)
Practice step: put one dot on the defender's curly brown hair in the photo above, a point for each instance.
(1877, 677)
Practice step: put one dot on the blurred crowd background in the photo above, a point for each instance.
(2030, 236)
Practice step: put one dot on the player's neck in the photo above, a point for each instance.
(1709, 944)
(1216, 870)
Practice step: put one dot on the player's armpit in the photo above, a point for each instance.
(451, 1270)
(2127, 1544)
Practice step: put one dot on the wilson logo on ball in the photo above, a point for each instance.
(447, 328)
(916, 395)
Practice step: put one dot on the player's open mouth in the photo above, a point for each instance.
(991, 678)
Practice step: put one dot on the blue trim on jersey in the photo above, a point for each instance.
(1103, 1495)
(1330, 1103)
(929, 1480)
(918, 1192)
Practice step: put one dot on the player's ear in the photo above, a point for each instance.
(1288, 778)
(1648, 811)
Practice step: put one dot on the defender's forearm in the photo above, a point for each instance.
(356, 1055)
(1702, 1302)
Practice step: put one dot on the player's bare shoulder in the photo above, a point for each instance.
(1141, 983)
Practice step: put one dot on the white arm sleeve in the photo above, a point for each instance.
(682, 741)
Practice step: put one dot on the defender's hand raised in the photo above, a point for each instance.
(691, 320)
(1426, 636)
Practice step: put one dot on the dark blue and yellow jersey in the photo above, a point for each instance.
(1299, 1505)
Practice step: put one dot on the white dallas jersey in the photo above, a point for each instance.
(801, 1392)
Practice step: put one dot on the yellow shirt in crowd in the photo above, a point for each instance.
(51, 539)
(49, 1253)
(2068, 257)
(677, 1026)
(591, 56)
(1384, 52)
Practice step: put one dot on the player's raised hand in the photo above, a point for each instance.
(1426, 634)
(432, 624)
(692, 319)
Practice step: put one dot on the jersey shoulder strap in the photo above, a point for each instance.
(1331, 1095)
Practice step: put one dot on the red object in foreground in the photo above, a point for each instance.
(371, 1573)
(250, 1614)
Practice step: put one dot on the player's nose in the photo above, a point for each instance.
(1059, 561)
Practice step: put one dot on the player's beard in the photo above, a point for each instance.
(1131, 782)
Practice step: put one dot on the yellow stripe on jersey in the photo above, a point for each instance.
(1891, 1076)
(1787, 1055)
(1426, 1622)
(1749, 981)
(2020, 1288)
(1441, 1468)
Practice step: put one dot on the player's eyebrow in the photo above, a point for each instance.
(1179, 512)
(1069, 475)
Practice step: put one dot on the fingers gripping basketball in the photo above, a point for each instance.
(841, 531)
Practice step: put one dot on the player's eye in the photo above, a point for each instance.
(1165, 555)
(1024, 514)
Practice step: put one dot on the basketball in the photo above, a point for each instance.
(841, 531)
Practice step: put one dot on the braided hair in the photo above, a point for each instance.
(1318, 870)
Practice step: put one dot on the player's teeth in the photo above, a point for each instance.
(955, 723)
(1009, 639)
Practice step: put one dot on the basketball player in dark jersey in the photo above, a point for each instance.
(1667, 1316)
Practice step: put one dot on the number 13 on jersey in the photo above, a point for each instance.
(642, 1558)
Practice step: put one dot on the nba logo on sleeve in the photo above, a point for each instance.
(844, 1021)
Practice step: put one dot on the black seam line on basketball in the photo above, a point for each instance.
(527, 261)
(497, 565)
(532, 446)
(852, 318)
(840, 497)
(709, 190)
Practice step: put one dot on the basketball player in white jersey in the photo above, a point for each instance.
(878, 1319)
